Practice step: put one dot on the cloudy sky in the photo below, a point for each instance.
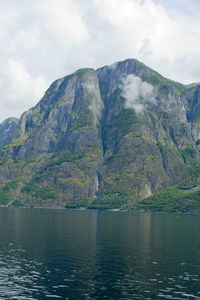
(42, 40)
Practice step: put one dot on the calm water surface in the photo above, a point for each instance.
(66, 254)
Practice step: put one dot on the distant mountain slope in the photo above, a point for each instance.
(7, 129)
(103, 138)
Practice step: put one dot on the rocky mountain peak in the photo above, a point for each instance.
(109, 137)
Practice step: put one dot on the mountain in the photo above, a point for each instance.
(7, 129)
(121, 136)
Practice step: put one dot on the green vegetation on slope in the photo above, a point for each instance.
(43, 193)
(159, 79)
(7, 191)
(111, 199)
(79, 72)
(84, 120)
(183, 197)
(171, 200)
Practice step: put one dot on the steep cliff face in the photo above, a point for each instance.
(143, 152)
(7, 129)
(101, 138)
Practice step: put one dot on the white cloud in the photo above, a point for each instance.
(64, 20)
(138, 21)
(138, 94)
(152, 35)
(36, 38)
(21, 88)
(46, 39)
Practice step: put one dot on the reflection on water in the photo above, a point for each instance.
(63, 254)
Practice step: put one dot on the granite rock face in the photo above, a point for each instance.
(101, 138)
(7, 129)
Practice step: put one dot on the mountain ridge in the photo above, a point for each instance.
(105, 138)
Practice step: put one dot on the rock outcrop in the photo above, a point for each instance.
(101, 138)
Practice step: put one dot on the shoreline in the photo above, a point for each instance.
(101, 209)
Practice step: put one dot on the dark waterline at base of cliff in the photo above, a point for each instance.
(132, 211)
(75, 254)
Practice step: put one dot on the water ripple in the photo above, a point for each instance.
(18, 277)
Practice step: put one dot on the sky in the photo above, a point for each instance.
(43, 40)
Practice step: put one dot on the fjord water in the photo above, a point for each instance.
(66, 254)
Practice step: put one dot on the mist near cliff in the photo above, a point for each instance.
(137, 93)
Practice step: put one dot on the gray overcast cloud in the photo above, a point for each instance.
(42, 40)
